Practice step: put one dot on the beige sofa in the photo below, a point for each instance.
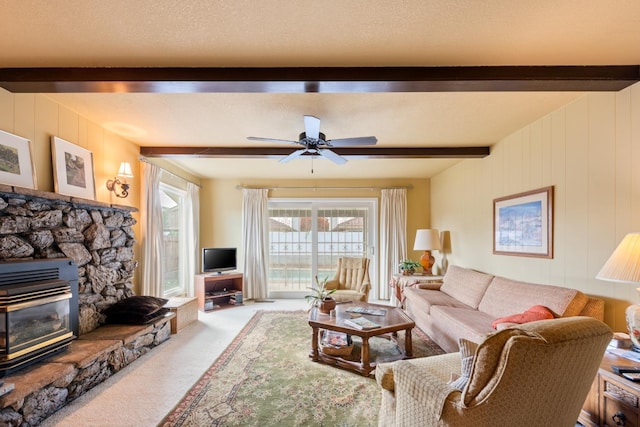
(468, 302)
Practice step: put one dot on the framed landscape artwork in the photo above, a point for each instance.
(523, 224)
(72, 169)
(16, 161)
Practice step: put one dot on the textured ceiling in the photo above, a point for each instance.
(274, 33)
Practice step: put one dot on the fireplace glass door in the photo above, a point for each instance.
(34, 323)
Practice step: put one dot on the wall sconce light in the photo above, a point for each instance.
(120, 187)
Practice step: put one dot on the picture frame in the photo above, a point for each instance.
(16, 161)
(72, 169)
(523, 224)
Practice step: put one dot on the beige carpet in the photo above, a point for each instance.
(144, 392)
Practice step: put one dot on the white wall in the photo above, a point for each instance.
(589, 151)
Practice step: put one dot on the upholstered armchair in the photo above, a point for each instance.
(351, 281)
(536, 374)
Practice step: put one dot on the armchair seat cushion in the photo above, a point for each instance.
(346, 295)
(351, 281)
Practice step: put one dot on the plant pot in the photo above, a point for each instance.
(408, 272)
(327, 305)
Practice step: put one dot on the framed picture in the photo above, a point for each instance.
(16, 161)
(523, 224)
(72, 169)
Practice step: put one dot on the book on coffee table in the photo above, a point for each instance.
(367, 310)
(361, 323)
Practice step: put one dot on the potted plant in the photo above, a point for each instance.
(321, 296)
(408, 267)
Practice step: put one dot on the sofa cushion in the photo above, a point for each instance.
(465, 285)
(505, 297)
(428, 298)
(465, 323)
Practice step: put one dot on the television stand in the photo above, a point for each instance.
(221, 273)
(218, 290)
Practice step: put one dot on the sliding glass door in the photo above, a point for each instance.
(306, 237)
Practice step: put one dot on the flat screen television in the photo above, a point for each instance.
(217, 260)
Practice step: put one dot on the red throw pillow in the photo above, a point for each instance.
(537, 312)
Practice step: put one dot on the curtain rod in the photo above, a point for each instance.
(144, 159)
(407, 187)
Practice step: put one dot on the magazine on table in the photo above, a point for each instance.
(361, 323)
(367, 310)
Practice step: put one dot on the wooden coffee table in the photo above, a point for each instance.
(393, 321)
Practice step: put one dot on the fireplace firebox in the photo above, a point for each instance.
(38, 310)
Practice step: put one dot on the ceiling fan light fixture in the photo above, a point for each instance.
(318, 145)
(321, 137)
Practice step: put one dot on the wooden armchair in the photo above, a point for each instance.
(351, 280)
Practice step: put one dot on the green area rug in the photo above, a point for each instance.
(266, 378)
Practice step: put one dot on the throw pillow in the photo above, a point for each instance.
(537, 312)
(136, 310)
(467, 354)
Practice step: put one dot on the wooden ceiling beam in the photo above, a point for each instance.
(318, 79)
(352, 152)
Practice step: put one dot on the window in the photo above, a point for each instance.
(306, 237)
(174, 220)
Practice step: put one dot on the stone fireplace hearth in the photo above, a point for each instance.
(97, 236)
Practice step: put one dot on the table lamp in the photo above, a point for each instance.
(624, 266)
(427, 241)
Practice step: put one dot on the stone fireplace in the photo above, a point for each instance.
(97, 236)
(96, 241)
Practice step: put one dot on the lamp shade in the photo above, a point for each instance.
(427, 240)
(624, 263)
(125, 170)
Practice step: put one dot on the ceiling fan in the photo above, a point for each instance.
(315, 142)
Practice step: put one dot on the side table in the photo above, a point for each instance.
(399, 282)
(613, 399)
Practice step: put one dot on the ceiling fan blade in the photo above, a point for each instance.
(351, 142)
(312, 127)
(256, 138)
(293, 155)
(332, 156)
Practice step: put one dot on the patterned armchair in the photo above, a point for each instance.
(351, 281)
(536, 374)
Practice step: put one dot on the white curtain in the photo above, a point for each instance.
(255, 229)
(393, 236)
(151, 226)
(192, 231)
